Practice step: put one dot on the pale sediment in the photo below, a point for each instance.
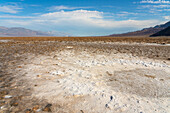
(91, 77)
(100, 82)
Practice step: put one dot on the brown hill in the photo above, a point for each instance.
(22, 32)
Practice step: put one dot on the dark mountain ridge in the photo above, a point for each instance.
(145, 31)
(164, 32)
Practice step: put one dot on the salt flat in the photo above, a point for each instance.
(84, 77)
(100, 82)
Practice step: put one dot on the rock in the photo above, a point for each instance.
(3, 92)
(76, 96)
(81, 111)
(4, 107)
(161, 79)
(39, 76)
(59, 73)
(47, 108)
(7, 96)
(28, 111)
(108, 73)
(19, 66)
(107, 106)
(35, 108)
(111, 98)
(69, 47)
(38, 110)
(2, 103)
(150, 76)
(14, 103)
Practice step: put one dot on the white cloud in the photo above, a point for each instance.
(156, 2)
(81, 22)
(161, 6)
(167, 17)
(61, 7)
(19, 17)
(35, 5)
(91, 18)
(15, 23)
(155, 7)
(124, 13)
(73, 14)
(9, 8)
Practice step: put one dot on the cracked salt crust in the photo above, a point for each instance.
(92, 82)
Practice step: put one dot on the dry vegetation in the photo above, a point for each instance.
(159, 40)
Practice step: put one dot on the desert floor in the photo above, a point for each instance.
(84, 75)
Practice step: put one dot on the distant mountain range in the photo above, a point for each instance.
(22, 32)
(164, 32)
(144, 32)
(159, 30)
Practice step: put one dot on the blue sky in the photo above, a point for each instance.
(84, 17)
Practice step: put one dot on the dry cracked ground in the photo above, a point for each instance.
(84, 77)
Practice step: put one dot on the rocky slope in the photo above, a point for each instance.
(165, 32)
(146, 31)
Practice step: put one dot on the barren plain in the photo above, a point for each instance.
(84, 74)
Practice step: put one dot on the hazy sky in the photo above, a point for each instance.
(84, 17)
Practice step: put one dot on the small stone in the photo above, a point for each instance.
(35, 108)
(7, 96)
(28, 111)
(38, 110)
(161, 79)
(111, 98)
(150, 76)
(81, 111)
(19, 66)
(39, 76)
(106, 106)
(2, 103)
(47, 108)
(69, 47)
(3, 92)
(4, 107)
(14, 103)
(108, 73)
(76, 96)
